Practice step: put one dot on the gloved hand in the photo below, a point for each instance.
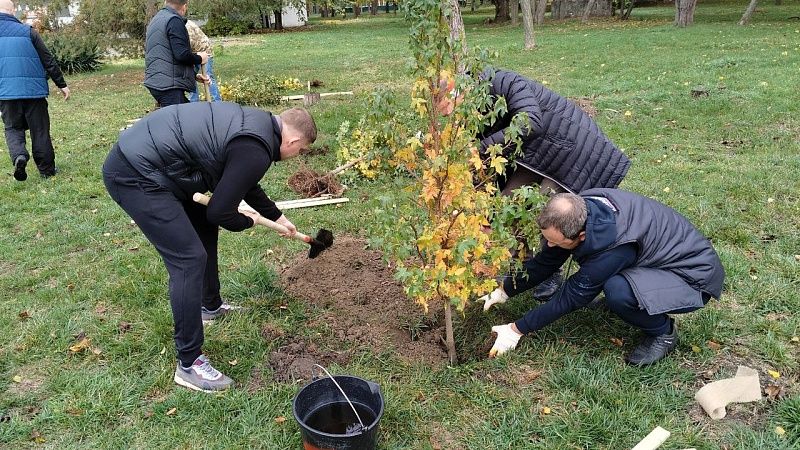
(496, 296)
(507, 339)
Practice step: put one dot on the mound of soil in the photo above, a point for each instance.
(586, 104)
(309, 183)
(362, 304)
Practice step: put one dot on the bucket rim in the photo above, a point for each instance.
(366, 428)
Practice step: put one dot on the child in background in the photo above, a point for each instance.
(201, 43)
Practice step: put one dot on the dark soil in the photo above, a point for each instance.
(309, 183)
(362, 307)
(586, 104)
(315, 150)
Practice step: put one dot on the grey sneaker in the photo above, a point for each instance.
(212, 315)
(201, 376)
(654, 348)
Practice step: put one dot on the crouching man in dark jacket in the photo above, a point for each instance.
(649, 260)
(152, 173)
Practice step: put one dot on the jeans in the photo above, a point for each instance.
(213, 87)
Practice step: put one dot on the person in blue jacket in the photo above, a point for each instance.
(25, 64)
(647, 259)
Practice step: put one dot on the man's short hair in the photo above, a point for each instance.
(566, 213)
(177, 2)
(301, 120)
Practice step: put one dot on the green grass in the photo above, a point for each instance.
(70, 258)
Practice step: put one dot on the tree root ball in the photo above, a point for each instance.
(309, 183)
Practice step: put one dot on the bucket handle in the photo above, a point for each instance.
(363, 428)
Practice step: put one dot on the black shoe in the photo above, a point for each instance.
(654, 348)
(19, 168)
(47, 175)
(548, 287)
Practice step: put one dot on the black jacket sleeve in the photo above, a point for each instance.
(179, 42)
(248, 160)
(520, 98)
(49, 63)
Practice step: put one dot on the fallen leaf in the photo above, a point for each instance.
(17, 379)
(72, 411)
(37, 437)
(280, 419)
(106, 234)
(135, 248)
(100, 309)
(270, 251)
(780, 431)
(24, 315)
(97, 351)
(628, 113)
(172, 411)
(666, 189)
(616, 341)
(774, 374)
(770, 200)
(148, 414)
(795, 339)
(94, 210)
(80, 345)
(695, 349)
(774, 391)
(233, 362)
(714, 346)
(123, 327)
(797, 257)
(163, 350)
(546, 410)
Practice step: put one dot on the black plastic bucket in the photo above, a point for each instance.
(327, 420)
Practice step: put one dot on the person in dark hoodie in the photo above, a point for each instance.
(153, 171)
(563, 149)
(649, 261)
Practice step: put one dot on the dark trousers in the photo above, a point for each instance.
(29, 114)
(169, 97)
(622, 302)
(183, 237)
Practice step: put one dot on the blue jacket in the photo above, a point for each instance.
(22, 75)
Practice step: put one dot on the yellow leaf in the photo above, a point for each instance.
(696, 349)
(280, 419)
(628, 113)
(546, 410)
(666, 189)
(79, 346)
(774, 373)
(499, 164)
(163, 350)
(780, 431)
(17, 379)
(172, 411)
(233, 362)
(795, 339)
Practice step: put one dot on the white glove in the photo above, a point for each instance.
(507, 339)
(496, 296)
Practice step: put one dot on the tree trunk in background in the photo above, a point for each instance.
(278, 19)
(513, 7)
(373, 8)
(684, 12)
(457, 31)
(587, 11)
(748, 12)
(356, 9)
(541, 8)
(501, 11)
(527, 24)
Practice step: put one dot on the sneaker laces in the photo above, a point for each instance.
(208, 371)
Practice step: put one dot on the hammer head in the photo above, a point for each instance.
(321, 241)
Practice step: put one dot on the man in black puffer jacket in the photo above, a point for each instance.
(563, 151)
(152, 173)
(649, 260)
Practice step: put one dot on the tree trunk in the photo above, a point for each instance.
(278, 19)
(684, 12)
(373, 8)
(356, 9)
(587, 11)
(457, 30)
(448, 330)
(527, 24)
(541, 8)
(501, 11)
(628, 11)
(748, 12)
(513, 10)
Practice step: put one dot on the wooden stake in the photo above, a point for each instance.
(653, 440)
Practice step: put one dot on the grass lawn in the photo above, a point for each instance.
(71, 262)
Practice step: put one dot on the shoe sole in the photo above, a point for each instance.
(181, 382)
(19, 171)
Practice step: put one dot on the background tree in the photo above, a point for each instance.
(527, 24)
(501, 13)
(749, 11)
(684, 12)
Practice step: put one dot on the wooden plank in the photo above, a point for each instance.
(653, 440)
(328, 201)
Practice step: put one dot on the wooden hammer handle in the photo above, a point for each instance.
(206, 90)
(204, 199)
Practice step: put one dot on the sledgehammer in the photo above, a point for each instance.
(322, 241)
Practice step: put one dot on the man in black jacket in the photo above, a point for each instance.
(649, 260)
(563, 149)
(169, 62)
(152, 173)
(26, 63)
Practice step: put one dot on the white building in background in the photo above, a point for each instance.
(293, 17)
(31, 15)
